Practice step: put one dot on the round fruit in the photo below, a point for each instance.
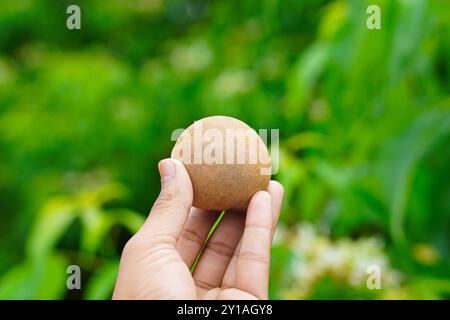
(226, 160)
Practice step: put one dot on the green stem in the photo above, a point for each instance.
(213, 228)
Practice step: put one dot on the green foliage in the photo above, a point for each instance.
(364, 118)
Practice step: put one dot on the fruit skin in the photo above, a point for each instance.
(224, 186)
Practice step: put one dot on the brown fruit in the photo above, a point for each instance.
(226, 160)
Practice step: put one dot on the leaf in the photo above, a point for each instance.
(52, 283)
(30, 280)
(54, 218)
(407, 37)
(109, 192)
(96, 224)
(128, 218)
(14, 284)
(102, 282)
(304, 77)
(399, 158)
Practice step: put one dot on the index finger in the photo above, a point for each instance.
(252, 272)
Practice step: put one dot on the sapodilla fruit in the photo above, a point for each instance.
(226, 160)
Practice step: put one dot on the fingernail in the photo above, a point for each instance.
(166, 169)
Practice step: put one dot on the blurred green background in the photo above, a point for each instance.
(364, 119)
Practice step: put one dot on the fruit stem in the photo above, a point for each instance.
(213, 228)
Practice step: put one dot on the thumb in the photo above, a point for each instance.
(170, 211)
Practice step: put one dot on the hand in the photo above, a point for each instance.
(234, 263)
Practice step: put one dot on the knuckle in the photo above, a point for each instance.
(260, 226)
(220, 248)
(204, 284)
(254, 257)
(167, 194)
(192, 235)
(164, 200)
(168, 199)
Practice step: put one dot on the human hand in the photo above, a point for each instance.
(234, 263)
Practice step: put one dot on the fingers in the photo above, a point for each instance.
(218, 251)
(170, 211)
(229, 279)
(276, 191)
(194, 234)
(254, 256)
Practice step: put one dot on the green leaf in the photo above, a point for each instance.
(400, 157)
(43, 279)
(15, 285)
(52, 283)
(54, 218)
(102, 282)
(128, 218)
(96, 224)
(305, 76)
